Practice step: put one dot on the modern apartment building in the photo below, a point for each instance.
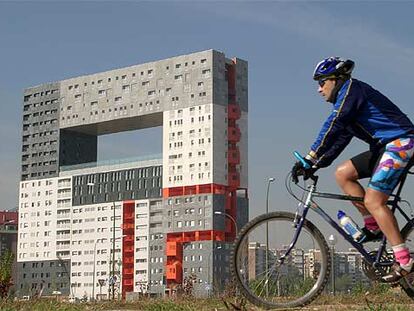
(93, 229)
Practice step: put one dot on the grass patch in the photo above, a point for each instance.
(376, 300)
(182, 304)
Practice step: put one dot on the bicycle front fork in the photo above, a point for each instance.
(298, 221)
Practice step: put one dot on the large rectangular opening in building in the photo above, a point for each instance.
(137, 144)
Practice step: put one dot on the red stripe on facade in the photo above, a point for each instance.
(174, 250)
(193, 190)
(128, 232)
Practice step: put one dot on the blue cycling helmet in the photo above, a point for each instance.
(333, 67)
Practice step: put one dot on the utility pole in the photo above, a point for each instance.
(113, 255)
(270, 180)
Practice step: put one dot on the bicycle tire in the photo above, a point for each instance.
(321, 281)
(407, 284)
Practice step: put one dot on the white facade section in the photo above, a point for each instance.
(142, 224)
(37, 220)
(92, 244)
(195, 144)
(188, 146)
(63, 218)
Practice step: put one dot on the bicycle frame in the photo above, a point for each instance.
(310, 204)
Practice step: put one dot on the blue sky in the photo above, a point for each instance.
(281, 40)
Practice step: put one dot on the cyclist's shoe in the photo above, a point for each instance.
(397, 273)
(371, 236)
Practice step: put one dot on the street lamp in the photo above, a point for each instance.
(93, 276)
(208, 266)
(269, 181)
(230, 217)
(94, 270)
(91, 184)
(112, 283)
(332, 240)
(113, 254)
(112, 279)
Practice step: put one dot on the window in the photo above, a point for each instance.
(206, 73)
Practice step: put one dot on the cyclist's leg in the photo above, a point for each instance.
(396, 156)
(359, 167)
(347, 178)
(376, 203)
(386, 175)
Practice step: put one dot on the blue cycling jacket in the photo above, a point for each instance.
(363, 112)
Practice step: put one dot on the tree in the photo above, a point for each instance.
(6, 263)
(188, 284)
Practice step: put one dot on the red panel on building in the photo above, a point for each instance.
(128, 216)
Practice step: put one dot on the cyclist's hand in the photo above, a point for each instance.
(296, 171)
(299, 170)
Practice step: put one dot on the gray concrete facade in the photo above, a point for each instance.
(45, 276)
(40, 141)
(131, 184)
(156, 249)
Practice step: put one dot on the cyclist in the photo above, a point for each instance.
(361, 111)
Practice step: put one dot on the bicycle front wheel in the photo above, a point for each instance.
(267, 275)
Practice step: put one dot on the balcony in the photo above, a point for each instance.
(129, 217)
(174, 272)
(174, 249)
(63, 226)
(127, 226)
(63, 237)
(63, 216)
(63, 254)
(234, 134)
(128, 265)
(64, 195)
(128, 249)
(62, 246)
(233, 156)
(234, 179)
(128, 282)
(65, 185)
(128, 239)
(127, 271)
(234, 112)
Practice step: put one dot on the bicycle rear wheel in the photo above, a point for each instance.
(270, 282)
(407, 233)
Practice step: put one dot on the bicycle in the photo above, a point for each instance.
(282, 260)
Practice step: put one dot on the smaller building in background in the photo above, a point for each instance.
(8, 236)
(348, 265)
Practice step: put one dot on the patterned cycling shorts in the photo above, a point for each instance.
(386, 167)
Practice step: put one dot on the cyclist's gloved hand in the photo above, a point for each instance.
(299, 170)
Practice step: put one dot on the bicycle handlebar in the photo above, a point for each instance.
(301, 159)
(306, 166)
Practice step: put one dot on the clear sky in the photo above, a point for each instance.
(282, 41)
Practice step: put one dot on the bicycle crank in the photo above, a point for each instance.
(374, 274)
